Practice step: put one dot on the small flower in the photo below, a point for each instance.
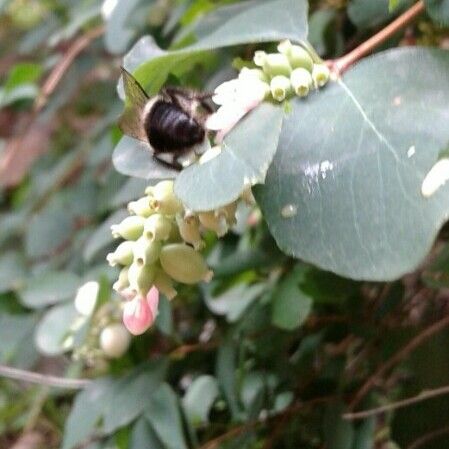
(320, 75)
(280, 87)
(235, 98)
(301, 81)
(140, 312)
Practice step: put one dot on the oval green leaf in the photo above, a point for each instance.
(255, 21)
(351, 162)
(244, 160)
(438, 10)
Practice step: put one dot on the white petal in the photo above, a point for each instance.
(226, 117)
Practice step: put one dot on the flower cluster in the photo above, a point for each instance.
(161, 245)
(104, 336)
(274, 76)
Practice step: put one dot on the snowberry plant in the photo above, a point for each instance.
(284, 284)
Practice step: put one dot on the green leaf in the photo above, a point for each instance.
(132, 394)
(49, 288)
(134, 158)
(393, 4)
(164, 415)
(199, 398)
(351, 162)
(233, 302)
(368, 13)
(132, 189)
(23, 73)
(438, 10)
(254, 21)
(124, 23)
(53, 328)
(291, 306)
(246, 155)
(164, 320)
(226, 374)
(364, 434)
(49, 230)
(102, 236)
(12, 271)
(144, 437)
(15, 334)
(338, 433)
(86, 412)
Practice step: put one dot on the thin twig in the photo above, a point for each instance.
(429, 437)
(340, 65)
(15, 145)
(58, 72)
(42, 379)
(423, 396)
(398, 357)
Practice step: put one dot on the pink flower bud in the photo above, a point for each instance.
(140, 312)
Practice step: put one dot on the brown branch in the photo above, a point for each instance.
(16, 145)
(429, 437)
(398, 357)
(58, 72)
(423, 396)
(42, 379)
(340, 65)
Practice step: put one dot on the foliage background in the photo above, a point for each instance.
(274, 351)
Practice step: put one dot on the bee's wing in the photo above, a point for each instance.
(131, 121)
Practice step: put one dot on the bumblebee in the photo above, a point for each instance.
(172, 122)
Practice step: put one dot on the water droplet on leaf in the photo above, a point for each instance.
(289, 211)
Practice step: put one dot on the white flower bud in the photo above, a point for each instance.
(210, 221)
(301, 81)
(130, 228)
(114, 340)
(146, 252)
(164, 200)
(256, 74)
(157, 227)
(300, 58)
(86, 298)
(228, 212)
(277, 64)
(259, 58)
(141, 207)
(122, 282)
(141, 277)
(280, 87)
(189, 228)
(284, 47)
(123, 255)
(320, 75)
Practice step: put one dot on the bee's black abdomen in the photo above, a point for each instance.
(170, 129)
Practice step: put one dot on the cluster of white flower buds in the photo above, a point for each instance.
(105, 337)
(289, 72)
(272, 76)
(162, 243)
